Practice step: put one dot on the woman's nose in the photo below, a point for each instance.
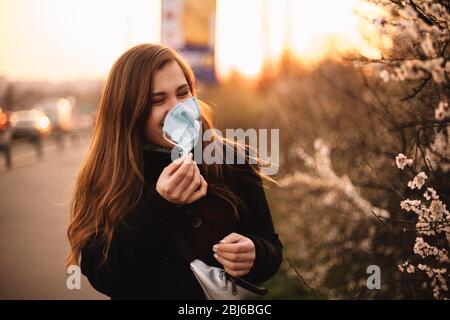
(173, 101)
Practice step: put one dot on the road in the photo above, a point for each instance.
(34, 211)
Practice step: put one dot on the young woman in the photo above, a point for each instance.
(130, 197)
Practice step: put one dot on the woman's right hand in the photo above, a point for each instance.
(181, 182)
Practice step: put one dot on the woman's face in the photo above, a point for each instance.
(169, 88)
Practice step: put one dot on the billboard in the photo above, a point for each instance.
(189, 27)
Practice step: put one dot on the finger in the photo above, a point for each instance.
(231, 238)
(187, 180)
(171, 168)
(200, 193)
(186, 189)
(181, 172)
(236, 257)
(195, 183)
(239, 247)
(175, 165)
(231, 265)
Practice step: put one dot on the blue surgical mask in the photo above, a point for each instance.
(182, 125)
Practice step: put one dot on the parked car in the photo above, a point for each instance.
(31, 124)
(59, 112)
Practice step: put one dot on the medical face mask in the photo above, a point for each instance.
(182, 125)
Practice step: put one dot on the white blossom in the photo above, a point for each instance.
(437, 209)
(433, 218)
(421, 267)
(418, 181)
(442, 111)
(431, 194)
(402, 161)
(408, 204)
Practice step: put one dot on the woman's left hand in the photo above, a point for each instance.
(236, 253)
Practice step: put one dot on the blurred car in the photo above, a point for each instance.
(32, 124)
(3, 120)
(59, 112)
(5, 138)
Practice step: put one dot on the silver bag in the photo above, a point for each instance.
(218, 285)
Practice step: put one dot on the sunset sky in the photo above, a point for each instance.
(66, 40)
(60, 39)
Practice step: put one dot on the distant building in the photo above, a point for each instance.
(189, 27)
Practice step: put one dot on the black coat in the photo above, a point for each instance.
(143, 260)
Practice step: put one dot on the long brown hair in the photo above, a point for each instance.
(111, 179)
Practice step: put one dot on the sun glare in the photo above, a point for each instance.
(60, 40)
(253, 32)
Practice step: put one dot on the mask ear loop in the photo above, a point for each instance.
(175, 144)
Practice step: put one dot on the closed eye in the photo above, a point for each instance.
(160, 101)
(183, 94)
